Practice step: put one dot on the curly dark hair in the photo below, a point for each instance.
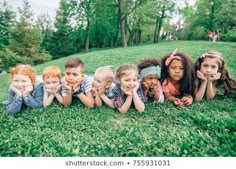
(187, 83)
(148, 62)
(225, 81)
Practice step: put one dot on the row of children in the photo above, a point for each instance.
(174, 77)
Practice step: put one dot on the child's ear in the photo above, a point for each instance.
(82, 75)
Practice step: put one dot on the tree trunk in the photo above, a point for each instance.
(155, 32)
(87, 38)
(122, 24)
(160, 23)
(115, 43)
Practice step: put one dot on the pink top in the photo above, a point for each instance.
(168, 87)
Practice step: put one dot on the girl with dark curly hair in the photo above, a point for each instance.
(178, 77)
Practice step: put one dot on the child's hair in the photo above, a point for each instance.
(149, 66)
(26, 70)
(74, 63)
(225, 81)
(107, 72)
(122, 70)
(187, 85)
(51, 71)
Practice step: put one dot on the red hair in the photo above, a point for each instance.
(51, 71)
(26, 70)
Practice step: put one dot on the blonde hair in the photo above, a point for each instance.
(123, 70)
(51, 71)
(26, 70)
(106, 72)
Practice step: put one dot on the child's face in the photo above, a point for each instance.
(99, 81)
(20, 82)
(129, 81)
(151, 80)
(176, 70)
(51, 83)
(209, 67)
(72, 75)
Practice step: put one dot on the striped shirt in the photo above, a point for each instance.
(85, 86)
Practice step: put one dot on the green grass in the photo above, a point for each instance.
(206, 128)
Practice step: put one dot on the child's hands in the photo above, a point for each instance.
(136, 87)
(215, 76)
(178, 102)
(15, 90)
(187, 100)
(127, 92)
(57, 89)
(156, 85)
(77, 84)
(145, 86)
(201, 76)
(101, 90)
(28, 90)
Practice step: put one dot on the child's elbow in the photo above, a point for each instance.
(122, 111)
(141, 110)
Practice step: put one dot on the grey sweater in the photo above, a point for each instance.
(35, 100)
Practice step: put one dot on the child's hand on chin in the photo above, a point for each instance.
(15, 90)
(28, 90)
(215, 76)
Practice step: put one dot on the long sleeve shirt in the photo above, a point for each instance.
(15, 102)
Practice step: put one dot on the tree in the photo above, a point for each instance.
(7, 20)
(26, 37)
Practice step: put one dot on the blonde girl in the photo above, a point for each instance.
(128, 90)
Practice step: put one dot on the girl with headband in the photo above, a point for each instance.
(178, 78)
(150, 73)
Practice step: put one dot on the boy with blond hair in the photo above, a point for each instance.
(77, 84)
(102, 86)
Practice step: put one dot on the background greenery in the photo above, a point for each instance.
(86, 24)
(206, 128)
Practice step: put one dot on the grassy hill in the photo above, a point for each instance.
(206, 128)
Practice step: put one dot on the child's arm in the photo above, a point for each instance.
(66, 93)
(47, 98)
(86, 99)
(138, 103)
(202, 89)
(98, 100)
(108, 101)
(14, 102)
(57, 94)
(211, 88)
(158, 93)
(35, 101)
(125, 107)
